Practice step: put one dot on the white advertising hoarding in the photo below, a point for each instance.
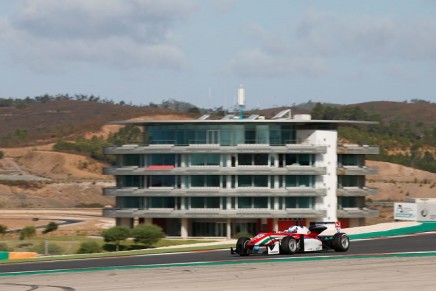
(405, 211)
(426, 212)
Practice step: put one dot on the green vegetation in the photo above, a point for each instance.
(2, 154)
(27, 232)
(147, 234)
(116, 234)
(51, 226)
(69, 245)
(3, 229)
(89, 247)
(93, 147)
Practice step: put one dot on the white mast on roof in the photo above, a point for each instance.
(241, 101)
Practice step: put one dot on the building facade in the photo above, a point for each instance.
(217, 178)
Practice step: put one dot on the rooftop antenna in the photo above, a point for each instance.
(241, 101)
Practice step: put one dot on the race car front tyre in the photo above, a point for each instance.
(241, 248)
(340, 242)
(288, 245)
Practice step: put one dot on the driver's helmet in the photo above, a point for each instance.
(292, 229)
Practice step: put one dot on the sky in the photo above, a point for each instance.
(283, 52)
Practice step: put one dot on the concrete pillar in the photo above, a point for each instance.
(124, 221)
(229, 228)
(275, 224)
(184, 228)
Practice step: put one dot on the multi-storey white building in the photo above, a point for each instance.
(220, 177)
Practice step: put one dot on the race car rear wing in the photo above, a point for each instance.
(337, 225)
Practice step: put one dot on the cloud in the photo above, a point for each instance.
(371, 38)
(318, 40)
(258, 63)
(135, 33)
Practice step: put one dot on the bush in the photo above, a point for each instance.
(27, 232)
(116, 234)
(4, 247)
(147, 234)
(89, 247)
(2, 154)
(52, 226)
(3, 229)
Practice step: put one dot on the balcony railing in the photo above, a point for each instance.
(356, 170)
(356, 191)
(202, 147)
(357, 212)
(216, 191)
(358, 149)
(213, 213)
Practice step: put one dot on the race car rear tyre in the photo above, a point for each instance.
(340, 242)
(241, 248)
(288, 245)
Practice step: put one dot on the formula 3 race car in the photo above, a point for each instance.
(296, 239)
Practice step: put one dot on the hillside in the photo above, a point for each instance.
(40, 122)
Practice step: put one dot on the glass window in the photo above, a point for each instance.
(133, 181)
(244, 181)
(213, 181)
(129, 202)
(132, 160)
(161, 159)
(262, 134)
(197, 181)
(244, 159)
(299, 180)
(260, 159)
(252, 202)
(205, 159)
(345, 202)
(260, 202)
(351, 181)
(299, 202)
(260, 181)
(162, 202)
(161, 181)
(205, 202)
(250, 134)
(244, 202)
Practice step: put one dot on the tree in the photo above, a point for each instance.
(147, 234)
(116, 234)
(89, 247)
(3, 229)
(27, 232)
(52, 226)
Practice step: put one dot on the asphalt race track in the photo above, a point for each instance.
(424, 242)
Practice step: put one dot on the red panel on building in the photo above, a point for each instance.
(160, 167)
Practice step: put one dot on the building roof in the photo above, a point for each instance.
(243, 121)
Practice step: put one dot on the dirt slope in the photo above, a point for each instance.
(396, 182)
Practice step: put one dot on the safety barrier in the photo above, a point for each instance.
(17, 255)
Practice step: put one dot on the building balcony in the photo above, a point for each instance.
(213, 213)
(356, 170)
(214, 148)
(215, 170)
(215, 192)
(358, 149)
(356, 191)
(356, 212)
